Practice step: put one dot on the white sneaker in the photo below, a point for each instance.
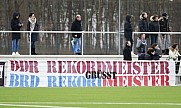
(13, 53)
(17, 53)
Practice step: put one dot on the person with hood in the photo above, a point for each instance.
(76, 42)
(128, 30)
(154, 27)
(15, 25)
(143, 24)
(141, 46)
(127, 51)
(164, 27)
(32, 25)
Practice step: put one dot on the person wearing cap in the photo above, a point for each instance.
(164, 27)
(163, 21)
(76, 42)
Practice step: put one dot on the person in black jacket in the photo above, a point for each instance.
(32, 25)
(128, 30)
(154, 27)
(127, 51)
(150, 54)
(16, 25)
(76, 42)
(143, 24)
(164, 27)
(157, 55)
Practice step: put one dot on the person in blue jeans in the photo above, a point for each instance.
(76, 42)
(15, 25)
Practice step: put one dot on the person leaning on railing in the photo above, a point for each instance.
(141, 46)
(174, 55)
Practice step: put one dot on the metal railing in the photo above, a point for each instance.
(159, 33)
(70, 32)
(119, 34)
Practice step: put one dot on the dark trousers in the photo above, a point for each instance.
(177, 65)
(33, 48)
(131, 40)
(33, 44)
(154, 38)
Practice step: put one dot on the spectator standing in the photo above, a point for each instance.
(164, 27)
(141, 46)
(76, 42)
(127, 51)
(16, 25)
(32, 25)
(128, 30)
(154, 27)
(143, 24)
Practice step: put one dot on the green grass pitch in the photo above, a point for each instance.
(95, 97)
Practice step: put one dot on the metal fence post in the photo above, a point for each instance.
(30, 44)
(119, 29)
(82, 43)
(133, 42)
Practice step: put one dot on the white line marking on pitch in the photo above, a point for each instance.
(33, 106)
(95, 103)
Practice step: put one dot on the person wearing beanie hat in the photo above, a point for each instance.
(164, 27)
(164, 15)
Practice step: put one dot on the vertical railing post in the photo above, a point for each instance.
(133, 42)
(119, 29)
(82, 43)
(30, 43)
